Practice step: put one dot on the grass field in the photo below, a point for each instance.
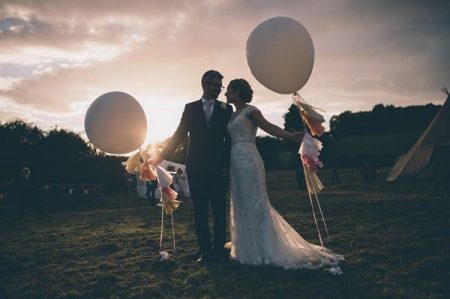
(394, 236)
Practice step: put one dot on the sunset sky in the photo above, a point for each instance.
(56, 57)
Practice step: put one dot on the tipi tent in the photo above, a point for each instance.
(428, 157)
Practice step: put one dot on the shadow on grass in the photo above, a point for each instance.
(394, 237)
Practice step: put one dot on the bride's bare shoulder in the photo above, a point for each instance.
(252, 108)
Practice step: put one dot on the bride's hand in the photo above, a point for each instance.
(297, 136)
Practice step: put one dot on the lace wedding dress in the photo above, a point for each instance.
(259, 235)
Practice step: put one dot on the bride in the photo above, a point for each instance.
(259, 235)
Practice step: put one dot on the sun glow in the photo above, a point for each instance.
(163, 116)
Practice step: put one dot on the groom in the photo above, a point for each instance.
(205, 121)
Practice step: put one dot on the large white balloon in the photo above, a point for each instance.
(115, 123)
(280, 54)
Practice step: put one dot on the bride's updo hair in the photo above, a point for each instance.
(243, 88)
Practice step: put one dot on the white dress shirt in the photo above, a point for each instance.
(208, 107)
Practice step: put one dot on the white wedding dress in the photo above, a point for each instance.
(259, 235)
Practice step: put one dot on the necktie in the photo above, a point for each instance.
(208, 111)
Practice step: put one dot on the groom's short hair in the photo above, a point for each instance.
(211, 74)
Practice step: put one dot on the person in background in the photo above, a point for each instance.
(150, 192)
(25, 193)
(180, 180)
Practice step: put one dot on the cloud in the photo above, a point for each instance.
(58, 56)
(8, 83)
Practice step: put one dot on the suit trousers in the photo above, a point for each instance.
(209, 188)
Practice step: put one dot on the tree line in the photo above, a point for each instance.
(394, 129)
(63, 156)
(378, 136)
(57, 156)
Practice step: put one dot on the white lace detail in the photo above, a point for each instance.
(242, 133)
(259, 235)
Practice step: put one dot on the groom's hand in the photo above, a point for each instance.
(155, 162)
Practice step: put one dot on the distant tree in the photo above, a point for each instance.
(293, 123)
(382, 119)
(292, 120)
(19, 139)
(270, 149)
(57, 156)
(341, 125)
(63, 142)
(277, 153)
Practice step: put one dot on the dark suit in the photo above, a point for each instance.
(208, 156)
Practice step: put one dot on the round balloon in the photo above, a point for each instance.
(115, 123)
(280, 54)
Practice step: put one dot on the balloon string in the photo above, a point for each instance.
(162, 228)
(173, 233)
(323, 218)
(299, 111)
(300, 97)
(310, 185)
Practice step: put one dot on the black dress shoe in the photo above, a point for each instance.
(206, 258)
(200, 260)
(203, 259)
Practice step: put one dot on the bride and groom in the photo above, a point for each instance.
(222, 152)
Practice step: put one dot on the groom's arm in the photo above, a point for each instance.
(178, 137)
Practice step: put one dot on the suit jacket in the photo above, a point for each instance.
(209, 147)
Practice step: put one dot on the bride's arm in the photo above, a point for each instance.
(274, 130)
